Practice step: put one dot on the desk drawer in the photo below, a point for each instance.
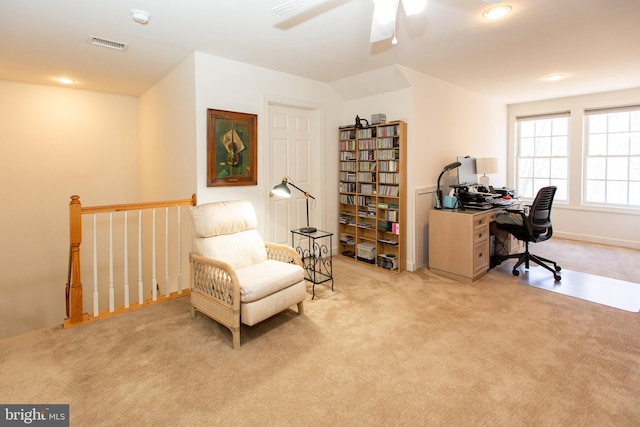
(481, 220)
(480, 228)
(480, 258)
(480, 235)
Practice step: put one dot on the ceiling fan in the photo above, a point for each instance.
(385, 12)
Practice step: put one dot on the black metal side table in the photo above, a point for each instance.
(316, 256)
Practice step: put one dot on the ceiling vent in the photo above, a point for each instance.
(98, 41)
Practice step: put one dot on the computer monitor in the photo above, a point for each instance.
(467, 173)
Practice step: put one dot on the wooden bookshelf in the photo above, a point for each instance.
(372, 192)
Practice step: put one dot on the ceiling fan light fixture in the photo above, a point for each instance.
(496, 12)
(413, 7)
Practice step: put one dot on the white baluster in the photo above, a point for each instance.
(111, 291)
(140, 286)
(126, 264)
(96, 306)
(154, 290)
(167, 279)
(179, 258)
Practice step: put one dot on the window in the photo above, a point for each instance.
(542, 154)
(612, 157)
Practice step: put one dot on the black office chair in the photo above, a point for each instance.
(536, 227)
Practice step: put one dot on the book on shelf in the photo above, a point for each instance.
(388, 190)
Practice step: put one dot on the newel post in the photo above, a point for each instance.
(75, 234)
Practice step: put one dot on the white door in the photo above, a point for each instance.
(294, 154)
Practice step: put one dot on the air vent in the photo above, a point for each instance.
(98, 41)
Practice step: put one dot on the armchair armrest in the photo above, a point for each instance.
(216, 279)
(283, 253)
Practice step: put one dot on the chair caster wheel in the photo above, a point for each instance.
(516, 272)
(557, 277)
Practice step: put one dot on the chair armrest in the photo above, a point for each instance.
(283, 253)
(215, 278)
(520, 211)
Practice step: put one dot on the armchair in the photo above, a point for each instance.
(235, 276)
(533, 227)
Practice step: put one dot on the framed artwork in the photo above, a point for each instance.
(232, 148)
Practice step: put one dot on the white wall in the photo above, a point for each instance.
(54, 143)
(448, 121)
(620, 227)
(452, 122)
(168, 136)
(228, 85)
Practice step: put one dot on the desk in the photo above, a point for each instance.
(316, 256)
(459, 242)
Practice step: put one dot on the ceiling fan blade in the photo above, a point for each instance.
(413, 7)
(384, 19)
(294, 7)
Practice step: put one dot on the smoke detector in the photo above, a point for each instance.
(140, 16)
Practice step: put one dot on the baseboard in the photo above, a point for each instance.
(596, 239)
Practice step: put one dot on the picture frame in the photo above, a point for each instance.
(232, 148)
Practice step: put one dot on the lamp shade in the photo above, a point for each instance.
(486, 165)
(282, 189)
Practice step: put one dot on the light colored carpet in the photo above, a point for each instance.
(383, 349)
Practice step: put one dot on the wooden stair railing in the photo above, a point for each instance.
(73, 289)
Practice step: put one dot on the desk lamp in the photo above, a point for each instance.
(450, 166)
(486, 165)
(282, 190)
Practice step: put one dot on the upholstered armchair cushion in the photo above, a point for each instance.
(215, 219)
(239, 250)
(266, 278)
(226, 231)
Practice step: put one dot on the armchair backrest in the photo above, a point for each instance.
(539, 219)
(226, 231)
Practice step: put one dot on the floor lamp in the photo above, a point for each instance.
(282, 190)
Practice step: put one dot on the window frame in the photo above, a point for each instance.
(567, 156)
(586, 156)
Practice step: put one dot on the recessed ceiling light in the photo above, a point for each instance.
(65, 80)
(554, 77)
(496, 12)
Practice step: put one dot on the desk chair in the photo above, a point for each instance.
(536, 227)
